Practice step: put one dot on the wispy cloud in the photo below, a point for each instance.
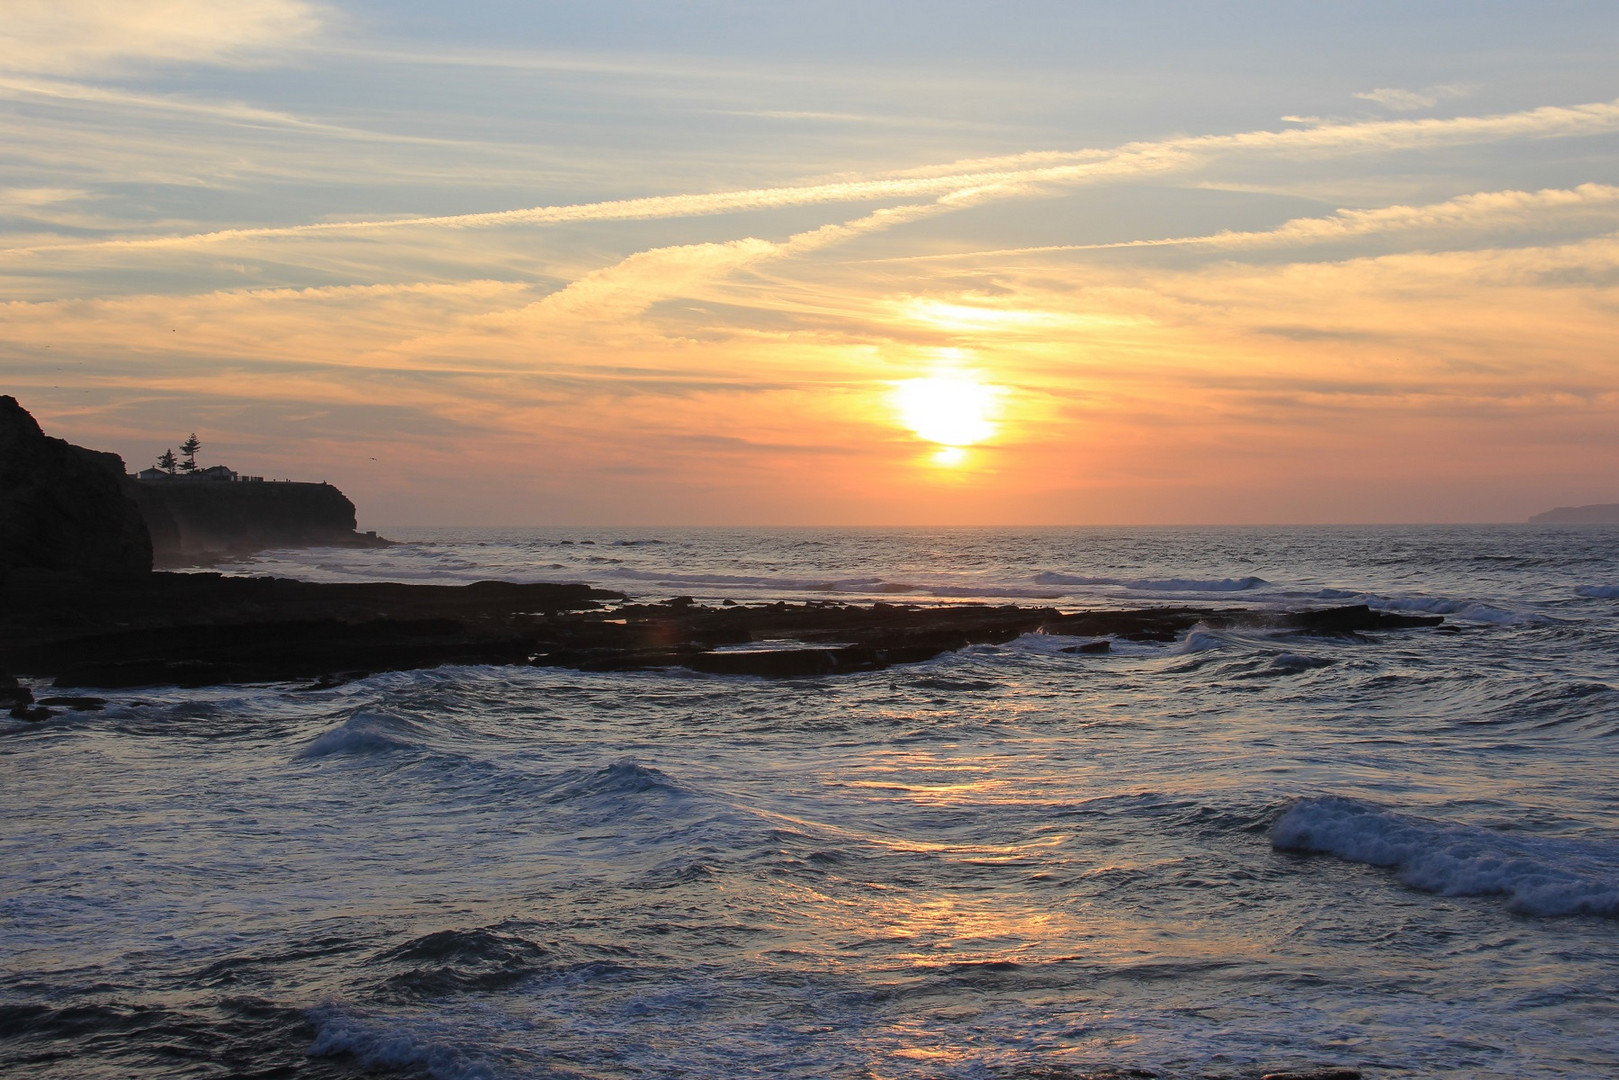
(1392, 97)
(81, 36)
(967, 182)
(1479, 211)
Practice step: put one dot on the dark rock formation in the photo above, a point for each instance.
(63, 507)
(205, 629)
(1596, 514)
(202, 521)
(1353, 619)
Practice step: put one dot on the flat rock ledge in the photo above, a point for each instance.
(207, 629)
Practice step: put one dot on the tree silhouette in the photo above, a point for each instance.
(167, 463)
(189, 448)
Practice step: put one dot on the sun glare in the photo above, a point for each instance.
(953, 410)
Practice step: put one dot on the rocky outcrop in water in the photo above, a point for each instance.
(62, 507)
(205, 629)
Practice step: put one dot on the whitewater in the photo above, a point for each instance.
(1240, 852)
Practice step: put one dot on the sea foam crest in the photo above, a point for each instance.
(364, 734)
(1197, 641)
(416, 1045)
(1538, 875)
(1241, 584)
(1461, 609)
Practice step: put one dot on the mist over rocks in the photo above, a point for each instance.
(196, 522)
(62, 507)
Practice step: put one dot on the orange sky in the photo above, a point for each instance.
(462, 307)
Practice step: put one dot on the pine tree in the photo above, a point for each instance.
(189, 448)
(167, 463)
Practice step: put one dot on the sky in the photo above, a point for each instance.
(528, 262)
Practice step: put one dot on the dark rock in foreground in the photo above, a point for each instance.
(207, 629)
(63, 507)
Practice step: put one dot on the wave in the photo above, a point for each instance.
(1538, 875)
(1468, 610)
(1053, 578)
(364, 734)
(1197, 641)
(460, 961)
(620, 778)
(863, 585)
(1197, 585)
(1242, 584)
(420, 1045)
(1599, 592)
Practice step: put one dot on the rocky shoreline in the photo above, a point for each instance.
(204, 629)
(81, 608)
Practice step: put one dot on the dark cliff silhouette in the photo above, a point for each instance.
(62, 507)
(195, 521)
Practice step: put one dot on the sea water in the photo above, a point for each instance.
(1238, 852)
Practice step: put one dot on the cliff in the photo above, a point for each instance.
(1598, 514)
(199, 520)
(63, 507)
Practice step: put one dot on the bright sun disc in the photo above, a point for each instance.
(951, 410)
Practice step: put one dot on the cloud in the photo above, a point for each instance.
(969, 182)
(1399, 100)
(91, 36)
(1479, 211)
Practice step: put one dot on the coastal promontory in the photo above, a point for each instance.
(1594, 514)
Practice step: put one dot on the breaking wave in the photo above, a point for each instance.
(1538, 875)
(364, 734)
(1194, 585)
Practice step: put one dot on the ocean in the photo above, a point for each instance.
(1240, 852)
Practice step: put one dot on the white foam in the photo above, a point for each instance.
(363, 734)
(1197, 641)
(1196, 584)
(399, 1044)
(1190, 585)
(1538, 875)
(1468, 610)
(1053, 578)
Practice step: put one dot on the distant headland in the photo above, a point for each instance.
(70, 508)
(1596, 514)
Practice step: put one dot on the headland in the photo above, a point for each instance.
(1594, 514)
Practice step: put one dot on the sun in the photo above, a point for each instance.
(952, 409)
